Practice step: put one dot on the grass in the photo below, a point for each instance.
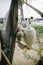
(39, 30)
(39, 33)
(1, 26)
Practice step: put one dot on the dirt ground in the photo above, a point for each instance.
(24, 56)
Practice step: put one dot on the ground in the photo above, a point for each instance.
(24, 56)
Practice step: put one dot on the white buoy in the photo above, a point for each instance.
(29, 34)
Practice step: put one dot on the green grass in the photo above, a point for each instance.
(39, 29)
(1, 26)
(39, 32)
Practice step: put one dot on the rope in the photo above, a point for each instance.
(41, 54)
(6, 58)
